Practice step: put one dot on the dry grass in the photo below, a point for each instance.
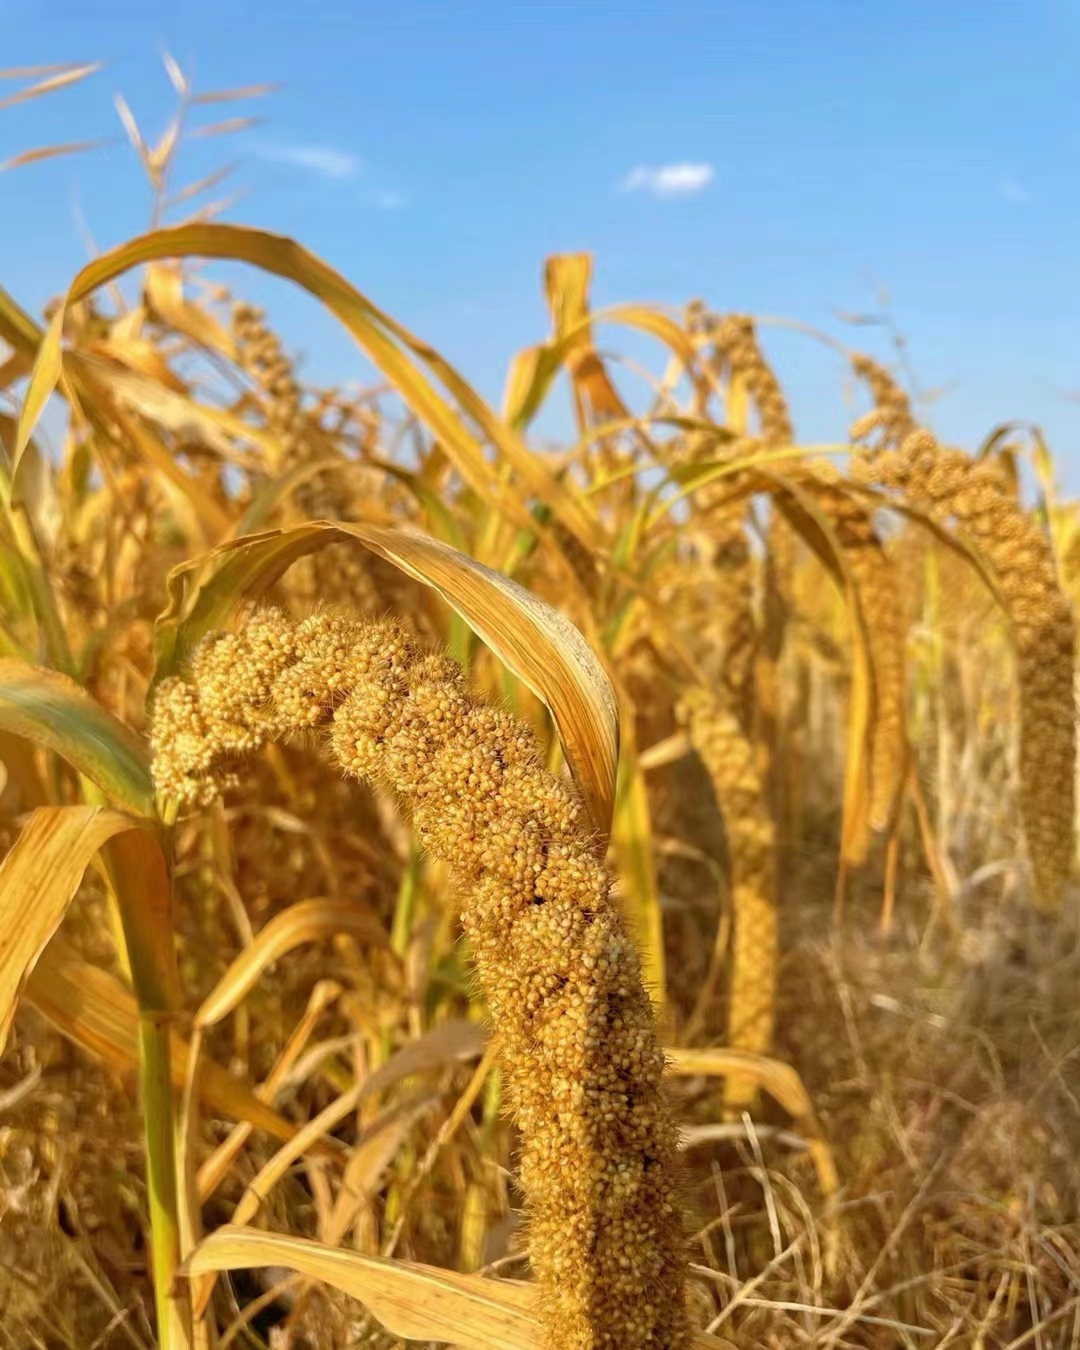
(301, 1040)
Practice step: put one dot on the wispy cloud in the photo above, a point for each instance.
(668, 180)
(1012, 191)
(322, 160)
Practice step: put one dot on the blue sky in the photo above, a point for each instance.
(785, 159)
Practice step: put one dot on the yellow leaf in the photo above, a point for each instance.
(776, 1078)
(38, 880)
(566, 288)
(164, 286)
(135, 356)
(43, 380)
(67, 75)
(97, 1013)
(377, 334)
(413, 1301)
(635, 865)
(367, 1165)
(17, 328)
(43, 152)
(306, 921)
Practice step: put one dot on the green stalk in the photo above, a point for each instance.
(159, 1129)
(140, 879)
(405, 908)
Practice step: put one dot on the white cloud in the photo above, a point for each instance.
(668, 180)
(318, 159)
(1014, 192)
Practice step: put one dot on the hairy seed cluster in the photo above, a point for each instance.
(973, 497)
(553, 958)
(736, 344)
(727, 622)
(876, 582)
(341, 572)
(728, 755)
(891, 415)
(737, 347)
(259, 353)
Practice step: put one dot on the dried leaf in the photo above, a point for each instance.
(306, 921)
(224, 128)
(130, 125)
(234, 95)
(49, 152)
(38, 880)
(95, 1011)
(66, 75)
(413, 1301)
(776, 1078)
(177, 78)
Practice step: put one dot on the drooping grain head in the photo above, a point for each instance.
(735, 338)
(730, 627)
(260, 354)
(974, 499)
(729, 757)
(876, 582)
(554, 961)
(738, 349)
(891, 416)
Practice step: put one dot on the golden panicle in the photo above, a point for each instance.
(728, 597)
(736, 343)
(737, 346)
(341, 573)
(729, 757)
(878, 592)
(891, 414)
(954, 489)
(560, 975)
(259, 353)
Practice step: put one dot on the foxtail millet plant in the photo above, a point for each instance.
(876, 583)
(736, 348)
(328, 491)
(727, 626)
(554, 961)
(728, 756)
(975, 501)
(738, 351)
(891, 416)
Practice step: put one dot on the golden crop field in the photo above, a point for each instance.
(458, 893)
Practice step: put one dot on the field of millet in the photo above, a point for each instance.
(462, 893)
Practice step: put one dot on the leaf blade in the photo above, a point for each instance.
(52, 710)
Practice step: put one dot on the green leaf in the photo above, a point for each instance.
(52, 710)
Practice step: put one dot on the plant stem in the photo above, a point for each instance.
(159, 1108)
(140, 879)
